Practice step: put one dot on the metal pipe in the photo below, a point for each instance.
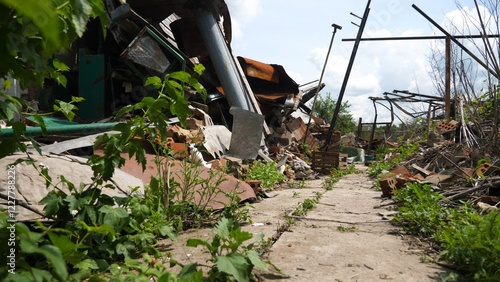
(348, 72)
(335, 27)
(77, 128)
(223, 61)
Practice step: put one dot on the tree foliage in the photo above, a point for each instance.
(325, 107)
(31, 34)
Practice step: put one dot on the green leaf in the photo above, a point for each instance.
(180, 76)
(199, 87)
(59, 78)
(190, 273)
(69, 249)
(52, 254)
(65, 108)
(81, 15)
(113, 216)
(124, 110)
(136, 147)
(41, 122)
(43, 15)
(7, 84)
(40, 274)
(191, 242)
(45, 173)
(235, 265)
(254, 258)
(8, 147)
(71, 186)
(59, 66)
(9, 109)
(35, 145)
(148, 101)
(53, 202)
(140, 211)
(77, 99)
(199, 69)
(25, 234)
(169, 231)
(124, 248)
(91, 214)
(18, 129)
(153, 80)
(85, 268)
(102, 229)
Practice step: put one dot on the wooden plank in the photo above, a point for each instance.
(422, 170)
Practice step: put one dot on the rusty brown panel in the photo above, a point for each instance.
(245, 191)
(268, 79)
(259, 70)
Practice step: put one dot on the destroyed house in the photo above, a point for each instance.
(153, 38)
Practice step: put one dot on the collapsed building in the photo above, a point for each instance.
(246, 115)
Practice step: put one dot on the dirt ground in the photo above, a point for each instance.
(347, 237)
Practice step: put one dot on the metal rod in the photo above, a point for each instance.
(479, 61)
(348, 72)
(372, 133)
(430, 37)
(335, 27)
(447, 92)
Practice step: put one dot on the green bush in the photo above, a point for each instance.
(468, 240)
(472, 245)
(266, 172)
(418, 209)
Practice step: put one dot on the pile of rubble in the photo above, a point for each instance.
(460, 171)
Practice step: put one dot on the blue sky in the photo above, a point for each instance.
(296, 35)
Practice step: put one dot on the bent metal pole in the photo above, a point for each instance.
(346, 77)
(335, 27)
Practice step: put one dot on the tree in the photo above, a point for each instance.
(32, 32)
(325, 107)
(473, 88)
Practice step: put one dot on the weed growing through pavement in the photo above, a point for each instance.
(304, 206)
(342, 228)
(231, 259)
(267, 173)
(297, 184)
(335, 176)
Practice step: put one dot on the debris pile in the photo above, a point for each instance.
(250, 111)
(459, 171)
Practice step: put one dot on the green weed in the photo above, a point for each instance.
(342, 228)
(468, 241)
(232, 260)
(266, 172)
(304, 206)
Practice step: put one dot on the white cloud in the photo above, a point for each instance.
(242, 11)
(379, 66)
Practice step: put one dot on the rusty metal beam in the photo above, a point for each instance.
(479, 61)
(447, 91)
